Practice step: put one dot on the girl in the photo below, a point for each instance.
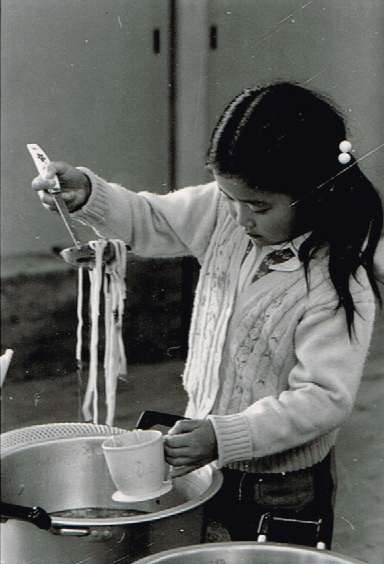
(284, 308)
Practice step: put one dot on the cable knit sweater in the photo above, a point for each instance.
(273, 367)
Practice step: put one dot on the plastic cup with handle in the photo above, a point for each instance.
(136, 463)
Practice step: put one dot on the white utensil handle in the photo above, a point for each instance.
(41, 161)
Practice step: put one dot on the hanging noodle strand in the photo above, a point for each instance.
(110, 279)
(79, 338)
(114, 295)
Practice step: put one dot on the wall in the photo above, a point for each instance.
(333, 47)
(81, 79)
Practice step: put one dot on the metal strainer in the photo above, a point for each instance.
(19, 438)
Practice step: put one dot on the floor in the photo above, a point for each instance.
(359, 525)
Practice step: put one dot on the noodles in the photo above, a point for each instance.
(115, 364)
(112, 279)
(79, 340)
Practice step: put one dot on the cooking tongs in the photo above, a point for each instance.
(81, 255)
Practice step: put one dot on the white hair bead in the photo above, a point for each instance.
(345, 147)
(344, 158)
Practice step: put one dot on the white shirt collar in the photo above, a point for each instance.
(294, 245)
(256, 254)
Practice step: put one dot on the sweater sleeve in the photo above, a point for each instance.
(322, 386)
(176, 224)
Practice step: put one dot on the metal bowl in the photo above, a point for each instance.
(62, 469)
(247, 553)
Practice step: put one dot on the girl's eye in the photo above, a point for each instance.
(258, 210)
(253, 208)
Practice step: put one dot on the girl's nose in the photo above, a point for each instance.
(243, 216)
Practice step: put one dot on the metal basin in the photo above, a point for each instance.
(247, 553)
(62, 469)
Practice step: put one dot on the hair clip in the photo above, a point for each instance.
(345, 148)
(342, 171)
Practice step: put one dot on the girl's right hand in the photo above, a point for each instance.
(75, 186)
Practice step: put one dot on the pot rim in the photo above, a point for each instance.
(241, 547)
(217, 480)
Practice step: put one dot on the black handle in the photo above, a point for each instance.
(150, 418)
(35, 515)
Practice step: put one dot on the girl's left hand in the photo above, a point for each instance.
(189, 445)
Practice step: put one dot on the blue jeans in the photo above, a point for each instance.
(297, 506)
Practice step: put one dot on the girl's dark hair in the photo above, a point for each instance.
(285, 139)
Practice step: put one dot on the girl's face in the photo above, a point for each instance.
(267, 217)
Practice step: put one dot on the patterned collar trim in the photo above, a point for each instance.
(294, 263)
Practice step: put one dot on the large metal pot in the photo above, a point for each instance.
(61, 468)
(247, 553)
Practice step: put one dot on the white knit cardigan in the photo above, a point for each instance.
(274, 369)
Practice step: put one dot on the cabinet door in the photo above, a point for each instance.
(330, 46)
(88, 81)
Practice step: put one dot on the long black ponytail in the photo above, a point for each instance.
(347, 217)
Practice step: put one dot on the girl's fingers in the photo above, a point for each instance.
(74, 199)
(179, 460)
(47, 200)
(177, 441)
(190, 444)
(179, 456)
(70, 198)
(182, 470)
(41, 184)
(183, 426)
(50, 208)
(59, 168)
(177, 451)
